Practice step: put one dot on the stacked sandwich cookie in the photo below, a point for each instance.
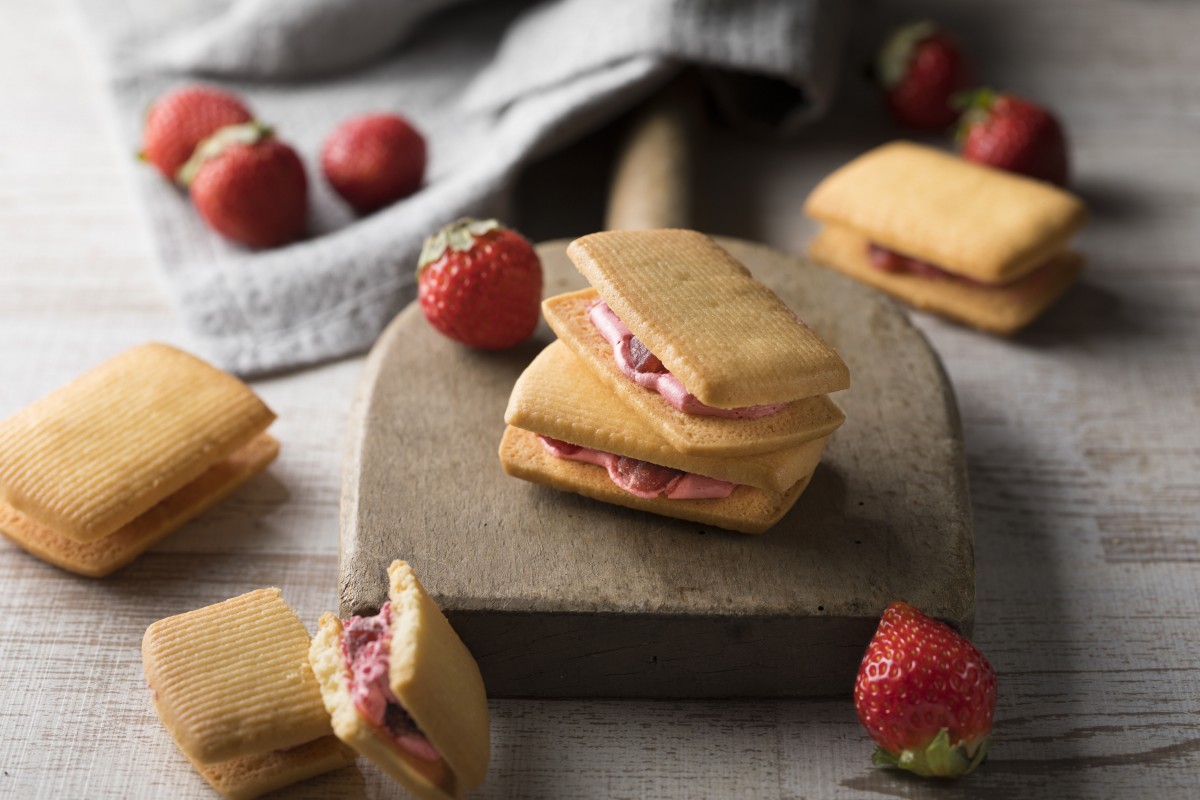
(98, 471)
(232, 684)
(404, 691)
(973, 243)
(679, 385)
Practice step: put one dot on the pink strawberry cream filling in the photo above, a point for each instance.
(366, 644)
(886, 260)
(641, 478)
(642, 367)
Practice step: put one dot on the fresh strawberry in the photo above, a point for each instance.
(374, 160)
(182, 118)
(249, 186)
(480, 284)
(925, 695)
(921, 67)
(1010, 132)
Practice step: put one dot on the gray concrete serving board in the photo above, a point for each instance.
(558, 595)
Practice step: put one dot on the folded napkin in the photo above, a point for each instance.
(491, 85)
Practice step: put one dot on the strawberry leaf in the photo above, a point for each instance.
(975, 105)
(892, 62)
(250, 133)
(458, 236)
(937, 759)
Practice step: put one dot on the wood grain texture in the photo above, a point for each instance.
(559, 595)
(1082, 443)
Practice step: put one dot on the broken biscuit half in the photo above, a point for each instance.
(403, 690)
(232, 684)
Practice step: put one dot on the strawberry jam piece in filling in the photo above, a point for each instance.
(366, 646)
(642, 478)
(886, 260)
(642, 360)
(560, 448)
(637, 363)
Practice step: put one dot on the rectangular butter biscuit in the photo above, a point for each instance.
(559, 396)
(101, 557)
(99, 452)
(727, 337)
(233, 679)
(251, 776)
(747, 510)
(801, 421)
(996, 309)
(984, 223)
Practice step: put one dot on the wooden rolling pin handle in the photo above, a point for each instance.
(652, 184)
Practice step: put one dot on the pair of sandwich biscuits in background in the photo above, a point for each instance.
(729, 389)
(979, 245)
(255, 705)
(99, 470)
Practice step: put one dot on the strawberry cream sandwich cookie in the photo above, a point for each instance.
(689, 341)
(679, 386)
(98, 471)
(976, 244)
(404, 691)
(569, 430)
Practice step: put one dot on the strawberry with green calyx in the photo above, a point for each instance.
(480, 283)
(248, 186)
(1011, 133)
(179, 120)
(921, 67)
(926, 695)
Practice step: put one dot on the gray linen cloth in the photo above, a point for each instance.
(490, 84)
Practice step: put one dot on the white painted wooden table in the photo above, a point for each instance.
(1083, 438)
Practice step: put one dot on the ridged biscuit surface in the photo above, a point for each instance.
(100, 451)
(977, 221)
(801, 421)
(100, 557)
(559, 396)
(435, 678)
(747, 510)
(250, 776)
(728, 338)
(1003, 309)
(233, 679)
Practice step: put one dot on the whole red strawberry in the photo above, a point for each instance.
(480, 284)
(925, 695)
(374, 160)
(1012, 133)
(249, 186)
(182, 118)
(921, 67)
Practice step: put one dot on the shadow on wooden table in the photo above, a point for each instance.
(230, 549)
(1085, 313)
